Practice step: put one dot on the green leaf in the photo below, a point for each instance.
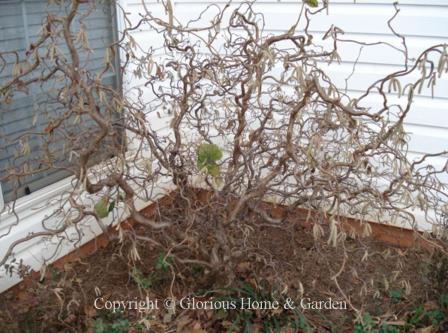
(312, 3)
(162, 264)
(208, 154)
(213, 169)
(119, 326)
(111, 206)
(385, 328)
(396, 295)
(435, 316)
(364, 324)
(140, 279)
(100, 207)
(444, 301)
(415, 316)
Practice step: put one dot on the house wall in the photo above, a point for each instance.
(35, 211)
(424, 23)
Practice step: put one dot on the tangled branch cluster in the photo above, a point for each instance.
(278, 126)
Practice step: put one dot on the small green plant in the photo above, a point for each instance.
(364, 324)
(396, 295)
(415, 317)
(139, 326)
(140, 279)
(435, 317)
(110, 322)
(443, 301)
(421, 317)
(197, 270)
(208, 155)
(118, 326)
(162, 263)
(301, 323)
(270, 320)
(386, 328)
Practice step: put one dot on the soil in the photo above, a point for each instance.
(393, 289)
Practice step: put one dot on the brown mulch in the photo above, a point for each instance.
(383, 281)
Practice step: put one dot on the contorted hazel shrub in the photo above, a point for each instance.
(253, 117)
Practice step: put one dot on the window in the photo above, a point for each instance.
(30, 111)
